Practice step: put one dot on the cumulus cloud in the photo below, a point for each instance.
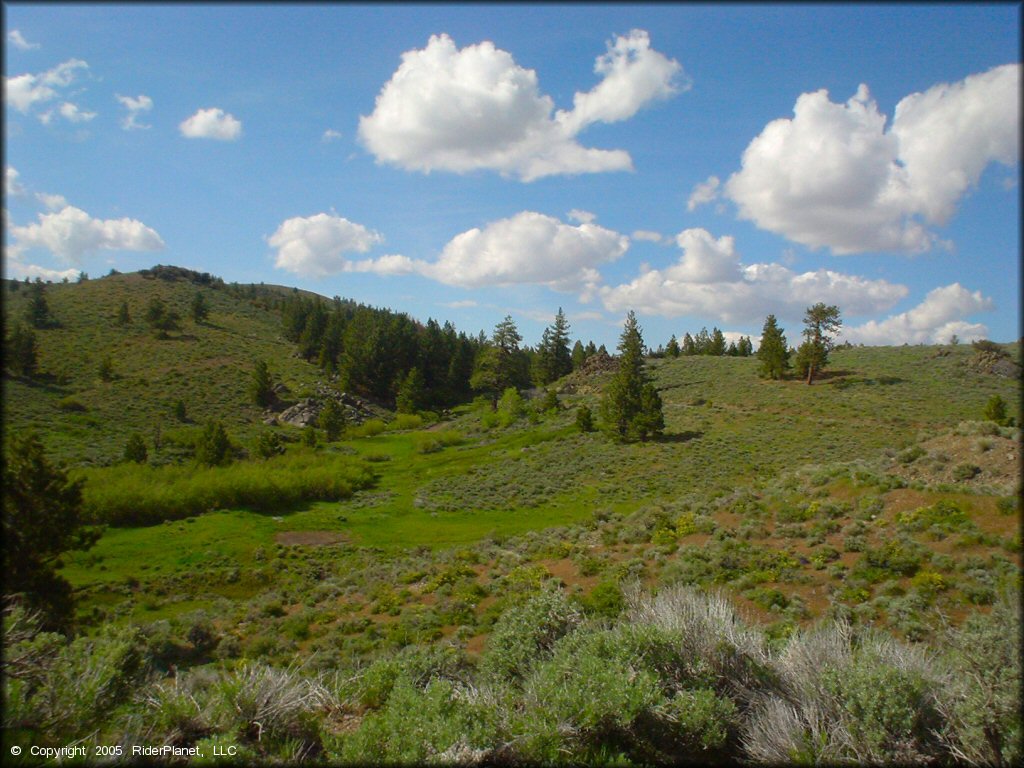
(942, 314)
(529, 247)
(330, 135)
(12, 187)
(23, 92)
(73, 114)
(475, 108)
(648, 235)
(71, 233)
(709, 280)
(316, 246)
(17, 270)
(15, 38)
(705, 192)
(52, 202)
(833, 176)
(211, 123)
(135, 106)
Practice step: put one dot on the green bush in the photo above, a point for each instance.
(525, 634)
(133, 494)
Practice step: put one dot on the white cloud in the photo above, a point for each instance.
(705, 192)
(832, 176)
(23, 92)
(135, 106)
(933, 321)
(648, 235)
(52, 202)
(315, 246)
(12, 187)
(527, 248)
(16, 270)
(330, 135)
(632, 76)
(464, 304)
(475, 108)
(583, 217)
(211, 123)
(709, 280)
(71, 233)
(73, 114)
(15, 38)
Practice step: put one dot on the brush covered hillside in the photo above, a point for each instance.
(789, 573)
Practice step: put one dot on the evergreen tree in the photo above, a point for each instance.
(497, 366)
(135, 449)
(821, 323)
(42, 519)
(689, 345)
(591, 349)
(123, 316)
(160, 318)
(261, 387)
(732, 350)
(631, 407)
(179, 411)
(213, 447)
(579, 355)
(22, 351)
(332, 420)
(995, 410)
(672, 348)
(37, 312)
(702, 344)
(560, 346)
(200, 309)
(745, 346)
(774, 350)
(717, 345)
(411, 393)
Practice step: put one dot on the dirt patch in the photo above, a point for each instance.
(310, 538)
(995, 458)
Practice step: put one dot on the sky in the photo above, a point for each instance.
(704, 166)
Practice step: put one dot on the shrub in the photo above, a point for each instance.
(407, 421)
(135, 449)
(369, 428)
(605, 600)
(963, 472)
(213, 448)
(584, 419)
(71, 404)
(526, 634)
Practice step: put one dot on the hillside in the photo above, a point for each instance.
(206, 365)
(448, 590)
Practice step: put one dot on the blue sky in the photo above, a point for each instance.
(702, 165)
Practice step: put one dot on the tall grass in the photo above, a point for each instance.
(130, 494)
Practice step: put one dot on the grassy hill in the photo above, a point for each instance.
(207, 365)
(426, 575)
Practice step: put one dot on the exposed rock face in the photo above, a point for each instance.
(997, 363)
(307, 411)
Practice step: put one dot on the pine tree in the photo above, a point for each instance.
(38, 310)
(497, 365)
(560, 346)
(584, 419)
(631, 407)
(592, 349)
(702, 344)
(773, 351)
(672, 348)
(732, 350)
(410, 392)
(22, 351)
(123, 315)
(261, 388)
(717, 345)
(745, 347)
(332, 420)
(200, 309)
(213, 447)
(689, 346)
(135, 449)
(579, 355)
(42, 519)
(820, 322)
